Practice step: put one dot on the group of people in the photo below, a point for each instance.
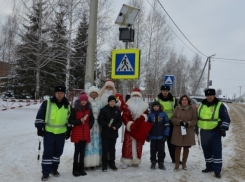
(92, 125)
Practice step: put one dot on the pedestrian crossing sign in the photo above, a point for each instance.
(168, 80)
(125, 64)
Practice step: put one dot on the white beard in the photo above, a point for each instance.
(104, 97)
(137, 106)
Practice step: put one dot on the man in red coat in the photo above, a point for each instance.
(135, 120)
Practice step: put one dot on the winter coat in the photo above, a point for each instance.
(160, 126)
(106, 115)
(81, 131)
(188, 115)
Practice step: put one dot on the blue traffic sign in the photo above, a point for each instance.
(168, 80)
(125, 64)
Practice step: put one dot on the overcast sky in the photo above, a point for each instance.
(213, 27)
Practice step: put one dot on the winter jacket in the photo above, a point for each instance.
(41, 114)
(160, 126)
(106, 115)
(81, 131)
(188, 115)
(223, 114)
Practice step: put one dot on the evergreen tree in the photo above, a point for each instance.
(31, 54)
(79, 60)
(56, 69)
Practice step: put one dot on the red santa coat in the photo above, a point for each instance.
(135, 134)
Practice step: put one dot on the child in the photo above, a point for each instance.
(158, 134)
(110, 119)
(83, 120)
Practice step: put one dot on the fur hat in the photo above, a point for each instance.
(93, 89)
(163, 87)
(210, 91)
(155, 103)
(83, 97)
(109, 82)
(111, 97)
(136, 91)
(60, 88)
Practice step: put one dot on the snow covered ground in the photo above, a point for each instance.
(19, 149)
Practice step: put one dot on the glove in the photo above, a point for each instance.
(222, 133)
(67, 135)
(165, 138)
(148, 139)
(40, 132)
(182, 123)
(186, 125)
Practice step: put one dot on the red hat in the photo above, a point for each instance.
(136, 91)
(83, 96)
(109, 82)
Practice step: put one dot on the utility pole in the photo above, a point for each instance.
(92, 29)
(209, 68)
(208, 59)
(240, 93)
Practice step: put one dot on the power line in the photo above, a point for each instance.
(170, 28)
(229, 59)
(179, 29)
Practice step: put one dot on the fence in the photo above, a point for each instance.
(6, 104)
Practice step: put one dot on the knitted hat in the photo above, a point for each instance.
(163, 87)
(83, 97)
(210, 91)
(59, 88)
(109, 82)
(111, 97)
(136, 91)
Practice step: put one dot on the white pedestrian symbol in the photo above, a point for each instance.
(168, 81)
(125, 65)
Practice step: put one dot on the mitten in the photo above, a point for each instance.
(222, 133)
(148, 139)
(165, 138)
(182, 123)
(40, 132)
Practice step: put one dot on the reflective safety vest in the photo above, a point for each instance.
(168, 106)
(56, 118)
(208, 117)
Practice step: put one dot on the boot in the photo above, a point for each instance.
(161, 166)
(153, 164)
(185, 156)
(75, 170)
(81, 169)
(177, 158)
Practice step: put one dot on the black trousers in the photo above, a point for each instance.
(79, 151)
(108, 145)
(171, 147)
(157, 149)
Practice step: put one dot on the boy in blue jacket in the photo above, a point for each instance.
(158, 134)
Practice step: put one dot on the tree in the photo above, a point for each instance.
(31, 52)
(218, 92)
(79, 60)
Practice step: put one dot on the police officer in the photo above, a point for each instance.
(214, 121)
(168, 103)
(51, 124)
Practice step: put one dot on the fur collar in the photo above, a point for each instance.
(169, 97)
(215, 101)
(79, 107)
(184, 107)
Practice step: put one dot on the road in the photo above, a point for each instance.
(236, 166)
